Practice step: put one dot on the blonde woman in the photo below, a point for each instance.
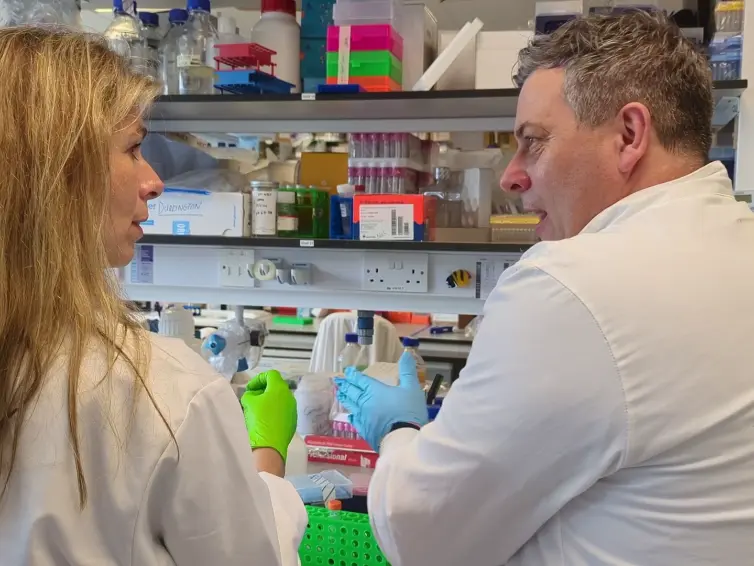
(115, 447)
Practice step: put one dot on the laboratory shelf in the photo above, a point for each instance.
(449, 111)
(355, 245)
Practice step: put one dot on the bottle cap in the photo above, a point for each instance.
(352, 338)
(177, 15)
(285, 6)
(203, 5)
(149, 19)
(409, 342)
(335, 505)
(346, 189)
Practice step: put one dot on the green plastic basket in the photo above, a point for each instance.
(339, 538)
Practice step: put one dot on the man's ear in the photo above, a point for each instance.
(635, 123)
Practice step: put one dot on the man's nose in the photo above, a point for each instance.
(514, 178)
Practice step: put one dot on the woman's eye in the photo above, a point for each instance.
(135, 151)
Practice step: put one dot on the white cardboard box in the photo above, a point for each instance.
(418, 28)
(460, 74)
(496, 57)
(183, 212)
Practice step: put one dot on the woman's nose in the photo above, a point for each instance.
(152, 186)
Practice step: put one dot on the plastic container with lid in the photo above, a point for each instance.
(411, 346)
(278, 30)
(367, 38)
(365, 12)
(169, 50)
(264, 208)
(150, 29)
(367, 64)
(287, 222)
(196, 51)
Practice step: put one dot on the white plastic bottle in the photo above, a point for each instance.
(124, 35)
(278, 30)
(169, 51)
(227, 31)
(150, 30)
(196, 48)
(410, 346)
(176, 321)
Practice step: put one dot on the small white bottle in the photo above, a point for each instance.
(410, 346)
(278, 30)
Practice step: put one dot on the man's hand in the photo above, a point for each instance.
(270, 412)
(376, 407)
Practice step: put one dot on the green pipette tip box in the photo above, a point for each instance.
(293, 320)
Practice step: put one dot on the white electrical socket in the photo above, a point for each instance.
(236, 268)
(404, 272)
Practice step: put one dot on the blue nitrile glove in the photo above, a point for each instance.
(376, 407)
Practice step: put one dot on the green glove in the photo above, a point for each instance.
(270, 412)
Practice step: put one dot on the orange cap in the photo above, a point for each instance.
(334, 505)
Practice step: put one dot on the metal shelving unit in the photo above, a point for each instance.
(191, 268)
(440, 111)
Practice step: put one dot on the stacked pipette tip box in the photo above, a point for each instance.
(363, 47)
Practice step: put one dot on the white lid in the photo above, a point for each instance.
(287, 197)
(177, 322)
(346, 189)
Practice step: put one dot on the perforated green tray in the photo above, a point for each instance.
(339, 538)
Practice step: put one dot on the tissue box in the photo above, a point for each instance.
(185, 212)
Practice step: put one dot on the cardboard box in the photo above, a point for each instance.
(185, 212)
(324, 170)
(462, 235)
(394, 217)
(496, 57)
(461, 74)
(418, 28)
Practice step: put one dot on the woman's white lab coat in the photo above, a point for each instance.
(606, 413)
(197, 501)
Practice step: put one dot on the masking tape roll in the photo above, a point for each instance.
(264, 270)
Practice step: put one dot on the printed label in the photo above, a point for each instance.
(344, 54)
(181, 228)
(142, 266)
(387, 222)
(287, 223)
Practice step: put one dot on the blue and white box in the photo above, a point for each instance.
(192, 212)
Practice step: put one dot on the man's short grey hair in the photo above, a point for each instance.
(610, 61)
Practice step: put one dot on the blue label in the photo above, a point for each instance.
(181, 228)
(148, 223)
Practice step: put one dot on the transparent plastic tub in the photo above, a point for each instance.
(365, 12)
(321, 487)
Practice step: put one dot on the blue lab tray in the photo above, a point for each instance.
(250, 82)
(339, 89)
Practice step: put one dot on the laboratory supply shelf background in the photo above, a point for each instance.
(355, 245)
(432, 111)
(342, 279)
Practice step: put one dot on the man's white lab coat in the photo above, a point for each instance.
(148, 504)
(606, 414)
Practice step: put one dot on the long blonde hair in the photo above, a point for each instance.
(63, 96)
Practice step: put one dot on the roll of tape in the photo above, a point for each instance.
(264, 270)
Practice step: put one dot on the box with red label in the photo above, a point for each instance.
(344, 451)
(394, 217)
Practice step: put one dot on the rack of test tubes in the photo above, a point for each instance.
(389, 163)
(239, 70)
(370, 55)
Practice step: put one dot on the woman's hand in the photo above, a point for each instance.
(270, 412)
